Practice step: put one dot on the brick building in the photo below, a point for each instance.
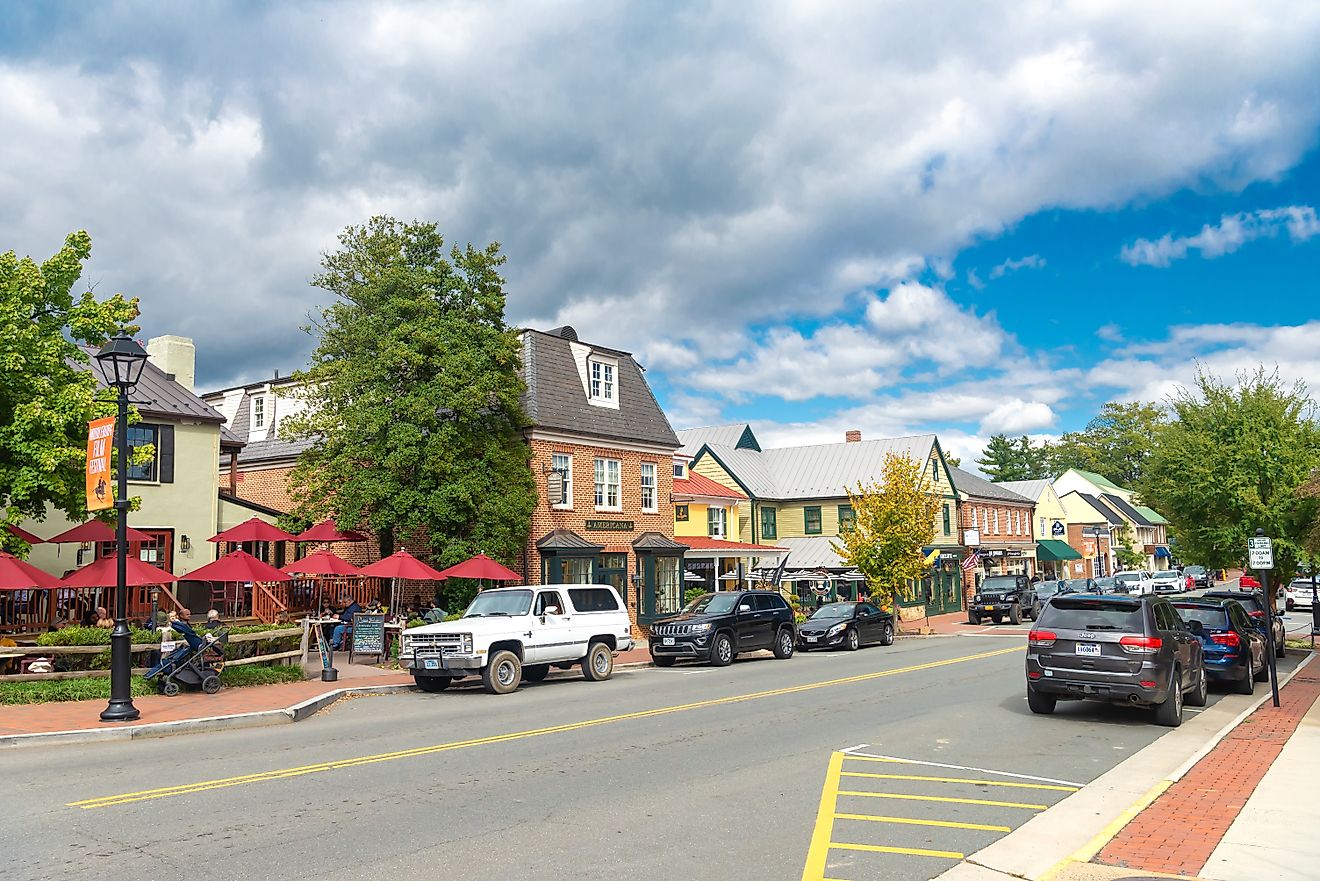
(997, 522)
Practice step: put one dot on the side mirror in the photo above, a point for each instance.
(744, 608)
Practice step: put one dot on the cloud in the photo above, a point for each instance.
(1032, 261)
(1232, 232)
(1017, 417)
(1110, 333)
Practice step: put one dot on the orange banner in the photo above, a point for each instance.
(100, 439)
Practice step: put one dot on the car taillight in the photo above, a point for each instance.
(1149, 683)
(1044, 638)
(1230, 639)
(1034, 674)
(1257, 614)
(1141, 644)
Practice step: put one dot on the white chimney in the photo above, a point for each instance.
(175, 355)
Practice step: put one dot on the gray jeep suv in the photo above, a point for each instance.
(1120, 649)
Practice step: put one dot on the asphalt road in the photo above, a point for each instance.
(687, 773)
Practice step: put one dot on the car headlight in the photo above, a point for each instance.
(835, 630)
(467, 643)
(977, 599)
(701, 628)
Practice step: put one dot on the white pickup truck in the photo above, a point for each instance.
(509, 634)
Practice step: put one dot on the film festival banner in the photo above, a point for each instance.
(100, 439)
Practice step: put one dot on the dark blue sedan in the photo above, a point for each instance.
(1233, 646)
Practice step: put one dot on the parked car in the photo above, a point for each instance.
(716, 627)
(1201, 576)
(1047, 589)
(1003, 596)
(1119, 649)
(1299, 593)
(1135, 583)
(509, 634)
(1254, 602)
(850, 625)
(1248, 582)
(1168, 581)
(1234, 648)
(1106, 584)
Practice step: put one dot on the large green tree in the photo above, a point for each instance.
(1233, 459)
(413, 397)
(1006, 458)
(46, 400)
(1115, 444)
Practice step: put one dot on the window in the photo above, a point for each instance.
(1014, 522)
(680, 471)
(847, 518)
(976, 524)
(259, 411)
(607, 484)
(592, 599)
(602, 381)
(811, 520)
(563, 463)
(668, 585)
(548, 599)
(680, 513)
(648, 487)
(935, 469)
(769, 529)
(948, 520)
(716, 522)
(1044, 533)
(996, 521)
(139, 436)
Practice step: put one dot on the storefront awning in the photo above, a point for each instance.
(1050, 549)
(1162, 551)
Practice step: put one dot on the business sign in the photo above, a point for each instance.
(609, 526)
(1260, 552)
(100, 439)
(1088, 547)
(556, 488)
(1058, 529)
(368, 634)
(971, 537)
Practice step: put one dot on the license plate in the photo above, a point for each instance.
(431, 663)
(1087, 648)
(989, 608)
(668, 640)
(811, 639)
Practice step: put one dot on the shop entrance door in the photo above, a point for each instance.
(612, 569)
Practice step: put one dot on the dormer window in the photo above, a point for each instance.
(602, 382)
(259, 411)
(680, 471)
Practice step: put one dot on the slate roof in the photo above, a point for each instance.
(555, 399)
(969, 484)
(1032, 489)
(819, 470)
(739, 435)
(271, 449)
(158, 394)
(1125, 509)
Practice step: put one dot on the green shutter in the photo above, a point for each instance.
(769, 526)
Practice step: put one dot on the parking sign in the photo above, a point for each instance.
(1260, 552)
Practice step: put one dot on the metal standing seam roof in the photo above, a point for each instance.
(979, 488)
(1101, 509)
(1099, 479)
(1032, 489)
(1126, 509)
(1152, 515)
(158, 394)
(717, 435)
(810, 552)
(699, 485)
(748, 467)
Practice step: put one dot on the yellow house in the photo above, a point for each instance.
(1049, 528)
(709, 518)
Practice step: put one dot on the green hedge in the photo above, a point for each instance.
(101, 636)
(50, 690)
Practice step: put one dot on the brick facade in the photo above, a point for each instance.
(1002, 525)
(1078, 543)
(267, 486)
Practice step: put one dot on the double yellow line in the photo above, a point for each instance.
(286, 773)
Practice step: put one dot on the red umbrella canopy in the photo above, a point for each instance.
(401, 564)
(101, 573)
(238, 566)
(16, 574)
(94, 531)
(481, 566)
(24, 535)
(322, 563)
(326, 530)
(255, 529)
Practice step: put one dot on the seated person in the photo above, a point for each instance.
(103, 618)
(435, 614)
(212, 619)
(345, 624)
(181, 624)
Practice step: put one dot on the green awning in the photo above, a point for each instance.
(1048, 549)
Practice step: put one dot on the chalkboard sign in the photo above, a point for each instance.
(368, 634)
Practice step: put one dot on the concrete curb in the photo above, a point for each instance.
(1075, 830)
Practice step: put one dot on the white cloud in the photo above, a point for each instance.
(1017, 417)
(1232, 232)
(1110, 333)
(1031, 261)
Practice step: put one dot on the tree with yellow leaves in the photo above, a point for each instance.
(893, 521)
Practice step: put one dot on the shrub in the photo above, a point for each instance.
(692, 593)
(98, 688)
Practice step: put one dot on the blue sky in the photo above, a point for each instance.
(896, 217)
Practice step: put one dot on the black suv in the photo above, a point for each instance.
(1003, 596)
(715, 627)
(1121, 649)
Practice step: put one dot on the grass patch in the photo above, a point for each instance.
(45, 691)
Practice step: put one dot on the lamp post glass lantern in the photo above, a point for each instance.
(121, 361)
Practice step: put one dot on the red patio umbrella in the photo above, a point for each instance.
(322, 563)
(254, 529)
(482, 567)
(326, 530)
(401, 564)
(16, 574)
(101, 573)
(94, 531)
(238, 566)
(25, 535)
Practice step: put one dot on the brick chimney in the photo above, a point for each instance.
(853, 436)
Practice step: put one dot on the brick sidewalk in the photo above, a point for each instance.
(1181, 829)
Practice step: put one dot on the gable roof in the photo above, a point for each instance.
(1152, 515)
(159, 394)
(1032, 489)
(969, 484)
(555, 398)
(1108, 515)
(737, 435)
(1131, 513)
(1098, 479)
(700, 485)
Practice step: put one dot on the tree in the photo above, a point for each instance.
(1116, 443)
(1006, 458)
(952, 461)
(893, 520)
(413, 397)
(1128, 558)
(1234, 459)
(46, 395)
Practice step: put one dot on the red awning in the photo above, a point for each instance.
(95, 531)
(24, 535)
(16, 574)
(326, 530)
(237, 566)
(402, 564)
(101, 573)
(322, 563)
(481, 566)
(254, 529)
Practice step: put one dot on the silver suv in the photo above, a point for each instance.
(1120, 649)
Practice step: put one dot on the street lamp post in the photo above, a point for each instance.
(121, 360)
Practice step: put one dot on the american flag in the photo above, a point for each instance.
(972, 562)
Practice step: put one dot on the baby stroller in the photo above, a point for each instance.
(196, 663)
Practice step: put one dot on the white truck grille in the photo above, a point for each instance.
(432, 643)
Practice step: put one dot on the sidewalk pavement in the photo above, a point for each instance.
(191, 711)
(956, 623)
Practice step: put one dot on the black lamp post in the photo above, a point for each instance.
(121, 360)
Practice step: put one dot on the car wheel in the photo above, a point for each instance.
(598, 665)
(1170, 713)
(502, 673)
(1040, 704)
(784, 643)
(973, 618)
(887, 635)
(1263, 674)
(1014, 615)
(432, 683)
(721, 653)
(663, 660)
(1280, 649)
(1201, 694)
(852, 642)
(998, 619)
(536, 672)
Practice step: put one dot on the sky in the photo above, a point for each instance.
(891, 217)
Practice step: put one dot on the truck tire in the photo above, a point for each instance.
(432, 683)
(536, 672)
(502, 673)
(721, 651)
(1014, 615)
(1170, 713)
(1040, 704)
(663, 660)
(598, 665)
(973, 619)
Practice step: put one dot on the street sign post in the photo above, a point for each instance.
(1260, 556)
(1260, 553)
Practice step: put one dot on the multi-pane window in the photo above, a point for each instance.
(607, 483)
(811, 520)
(948, 521)
(976, 521)
(680, 471)
(648, 487)
(259, 411)
(716, 522)
(847, 518)
(602, 381)
(563, 463)
(996, 521)
(769, 527)
(140, 436)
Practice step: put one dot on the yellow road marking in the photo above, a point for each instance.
(940, 798)
(242, 780)
(912, 821)
(819, 851)
(911, 851)
(960, 780)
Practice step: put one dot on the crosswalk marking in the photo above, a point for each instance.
(912, 821)
(945, 799)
